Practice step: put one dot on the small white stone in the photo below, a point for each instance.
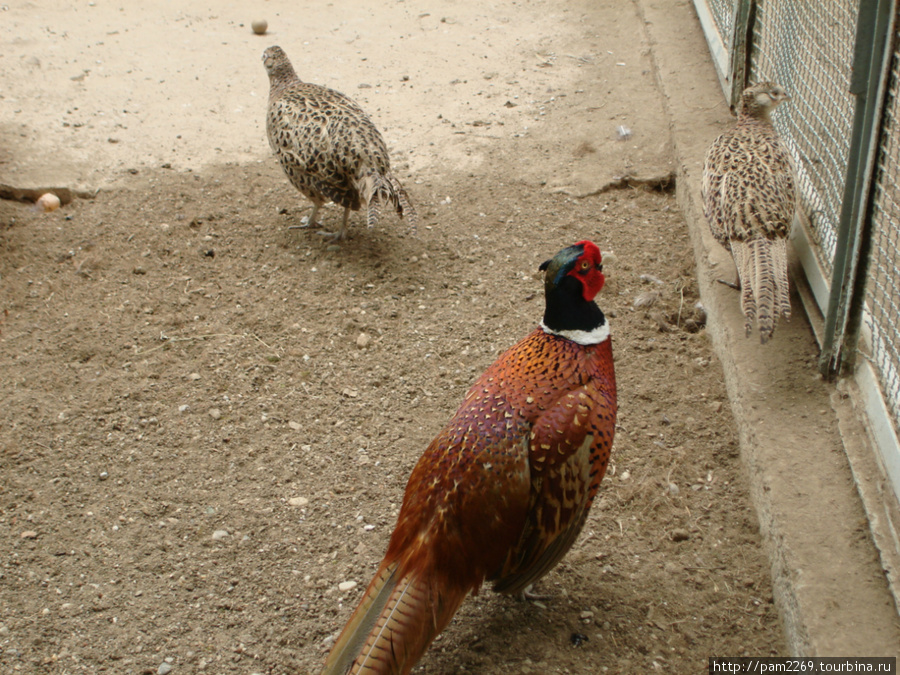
(298, 501)
(219, 535)
(215, 413)
(294, 425)
(346, 585)
(48, 202)
(363, 341)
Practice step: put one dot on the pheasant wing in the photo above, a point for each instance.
(569, 449)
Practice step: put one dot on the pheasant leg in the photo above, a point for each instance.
(310, 220)
(736, 285)
(341, 234)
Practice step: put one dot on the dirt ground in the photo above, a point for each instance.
(209, 417)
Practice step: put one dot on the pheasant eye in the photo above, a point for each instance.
(584, 265)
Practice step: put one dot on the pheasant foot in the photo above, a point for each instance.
(333, 236)
(528, 594)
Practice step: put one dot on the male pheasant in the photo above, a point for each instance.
(749, 199)
(328, 147)
(504, 489)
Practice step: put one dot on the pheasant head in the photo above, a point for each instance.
(572, 279)
(278, 67)
(761, 99)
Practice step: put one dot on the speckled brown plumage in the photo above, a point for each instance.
(328, 147)
(504, 489)
(749, 200)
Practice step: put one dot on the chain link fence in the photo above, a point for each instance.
(882, 308)
(723, 15)
(807, 48)
(810, 48)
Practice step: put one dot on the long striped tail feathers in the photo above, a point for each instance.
(395, 622)
(763, 272)
(377, 189)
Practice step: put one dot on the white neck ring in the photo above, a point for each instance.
(583, 337)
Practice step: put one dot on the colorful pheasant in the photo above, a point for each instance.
(328, 147)
(749, 200)
(504, 489)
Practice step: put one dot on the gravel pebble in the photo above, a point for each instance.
(219, 535)
(346, 585)
(680, 535)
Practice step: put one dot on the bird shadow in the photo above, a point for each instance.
(502, 629)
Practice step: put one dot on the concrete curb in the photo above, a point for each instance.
(828, 581)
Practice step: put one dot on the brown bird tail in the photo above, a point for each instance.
(397, 619)
(376, 188)
(763, 273)
(404, 205)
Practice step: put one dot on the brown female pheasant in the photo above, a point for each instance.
(504, 489)
(328, 147)
(749, 200)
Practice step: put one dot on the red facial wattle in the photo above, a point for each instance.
(588, 269)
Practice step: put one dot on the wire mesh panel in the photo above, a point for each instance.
(807, 47)
(882, 314)
(717, 19)
(723, 12)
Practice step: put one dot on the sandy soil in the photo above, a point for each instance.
(209, 417)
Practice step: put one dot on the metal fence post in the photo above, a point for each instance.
(870, 70)
(744, 13)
